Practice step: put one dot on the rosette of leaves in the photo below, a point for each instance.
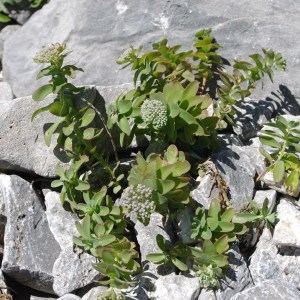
(213, 223)
(102, 232)
(165, 176)
(209, 256)
(282, 139)
(116, 254)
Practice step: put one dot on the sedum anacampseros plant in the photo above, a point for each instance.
(180, 98)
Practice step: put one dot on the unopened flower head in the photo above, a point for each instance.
(126, 56)
(138, 201)
(154, 112)
(49, 54)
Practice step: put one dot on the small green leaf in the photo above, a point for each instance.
(269, 141)
(50, 131)
(157, 258)
(165, 186)
(191, 90)
(42, 92)
(171, 154)
(188, 76)
(82, 186)
(88, 133)
(124, 125)
(179, 264)
(106, 239)
(221, 245)
(88, 117)
(278, 170)
(124, 106)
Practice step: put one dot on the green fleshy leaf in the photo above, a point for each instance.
(88, 117)
(42, 92)
(278, 171)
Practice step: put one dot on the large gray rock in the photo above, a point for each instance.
(30, 248)
(22, 144)
(176, 287)
(264, 264)
(237, 171)
(267, 290)
(73, 268)
(5, 92)
(5, 33)
(241, 27)
(288, 221)
(238, 277)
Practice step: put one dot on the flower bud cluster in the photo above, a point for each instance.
(154, 112)
(208, 276)
(125, 56)
(138, 201)
(49, 54)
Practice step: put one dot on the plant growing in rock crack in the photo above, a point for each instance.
(282, 138)
(255, 214)
(213, 223)
(186, 83)
(157, 183)
(179, 99)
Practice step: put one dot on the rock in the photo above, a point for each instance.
(146, 237)
(72, 268)
(27, 136)
(207, 295)
(264, 264)
(269, 289)
(257, 159)
(269, 181)
(260, 197)
(206, 189)
(114, 26)
(176, 287)
(6, 32)
(237, 278)
(41, 298)
(250, 117)
(3, 287)
(288, 222)
(30, 249)
(19, 11)
(184, 225)
(237, 171)
(5, 92)
(69, 297)
(94, 293)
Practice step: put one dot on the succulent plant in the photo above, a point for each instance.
(211, 224)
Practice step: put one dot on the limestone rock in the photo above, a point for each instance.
(94, 293)
(237, 278)
(237, 170)
(30, 249)
(73, 268)
(264, 264)
(5, 92)
(69, 297)
(116, 25)
(176, 287)
(289, 222)
(269, 289)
